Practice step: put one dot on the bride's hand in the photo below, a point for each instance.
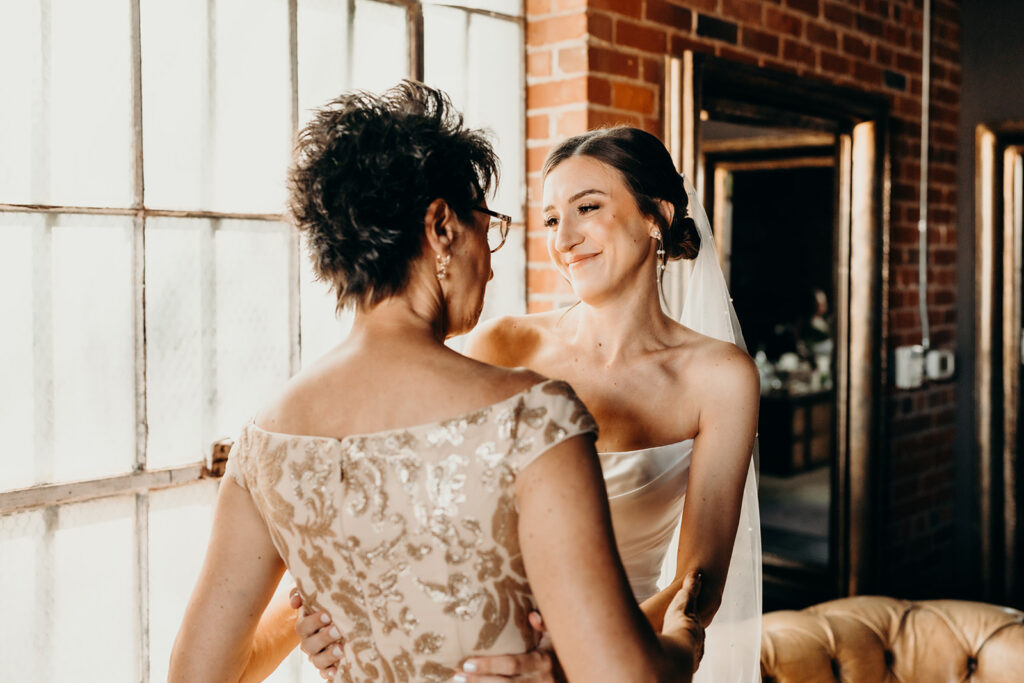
(681, 620)
(321, 640)
(537, 666)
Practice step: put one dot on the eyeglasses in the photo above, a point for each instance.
(497, 231)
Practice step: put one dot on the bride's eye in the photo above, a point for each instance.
(587, 208)
(551, 222)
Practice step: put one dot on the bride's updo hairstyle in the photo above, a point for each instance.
(365, 170)
(650, 175)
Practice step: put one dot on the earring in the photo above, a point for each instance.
(442, 266)
(661, 256)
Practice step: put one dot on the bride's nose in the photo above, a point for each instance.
(567, 236)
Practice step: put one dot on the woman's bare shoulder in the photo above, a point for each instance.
(714, 363)
(510, 340)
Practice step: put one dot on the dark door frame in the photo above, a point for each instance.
(695, 83)
(999, 185)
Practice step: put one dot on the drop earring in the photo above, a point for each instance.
(442, 266)
(661, 257)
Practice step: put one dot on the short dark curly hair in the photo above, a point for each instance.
(365, 170)
(650, 175)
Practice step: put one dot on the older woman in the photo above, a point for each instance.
(427, 501)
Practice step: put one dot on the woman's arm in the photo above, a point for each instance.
(239, 575)
(718, 471)
(568, 549)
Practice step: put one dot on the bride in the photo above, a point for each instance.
(676, 402)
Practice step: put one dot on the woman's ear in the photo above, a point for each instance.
(668, 210)
(439, 226)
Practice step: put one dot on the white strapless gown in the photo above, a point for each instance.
(646, 492)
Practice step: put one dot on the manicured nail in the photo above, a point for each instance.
(459, 678)
(469, 666)
(336, 651)
(335, 633)
(325, 619)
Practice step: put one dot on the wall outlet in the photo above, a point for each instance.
(939, 364)
(909, 366)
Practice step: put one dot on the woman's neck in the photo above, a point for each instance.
(621, 326)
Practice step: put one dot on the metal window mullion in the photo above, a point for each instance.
(148, 213)
(141, 519)
(294, 248)
(414, 28)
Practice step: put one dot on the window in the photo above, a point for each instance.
(151, 291)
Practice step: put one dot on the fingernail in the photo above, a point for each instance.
(336, 651)
(335, 633)
(459, 678)
(469, 666)
(325, 619)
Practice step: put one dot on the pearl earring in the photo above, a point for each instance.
(661, 256)
(442, 266)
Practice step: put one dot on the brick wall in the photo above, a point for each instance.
(596, 62)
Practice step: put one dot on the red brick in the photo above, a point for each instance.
(556, 93)
(608, 119)
(538, 127)
(784, 22)
(599, 90)
(535, 157)
(867, 74)
(822, 35)
(759, 41)
(680, 44)
(884, 55)
(611, 61)
(537, 249)
(534, 188)
(735, 55)
(747, 11)
(651, 71)
(895, 35)
(629, 8)
(572, 122)
(546, 280)
(839, 12)
(669, 14)
(600, 26)
(535, 7)
(855, 47)
(801, 53)
(640, 37)
(538, 63)
(572, 60)
(556, 29)
(636, 98)
(539, 305)
(564, 5)
(835, 64)
(811, 7)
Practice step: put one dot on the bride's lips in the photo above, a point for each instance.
(576, 259)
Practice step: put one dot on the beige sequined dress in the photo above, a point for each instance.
(408, 537)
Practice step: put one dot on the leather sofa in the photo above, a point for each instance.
(876, 639)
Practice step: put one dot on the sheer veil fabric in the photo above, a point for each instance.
(732, 650)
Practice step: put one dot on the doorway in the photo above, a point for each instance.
(999, 386)
(792, 172)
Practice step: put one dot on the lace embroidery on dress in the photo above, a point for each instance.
(409, 538)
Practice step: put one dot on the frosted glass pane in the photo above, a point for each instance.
(381, 56)
(510, 7)
(217, 327)
(179, 530)
(67, 92)
(67, 587)
(18, 236)
(322, 329)
(445, 57)
(322, 53)
(217, 104)
(90, 333)
(252, 319)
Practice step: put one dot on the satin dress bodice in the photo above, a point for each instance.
(646, 491)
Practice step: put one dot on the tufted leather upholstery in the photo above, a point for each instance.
(877, 639)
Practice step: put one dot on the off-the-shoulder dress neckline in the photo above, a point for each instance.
(412, 428)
